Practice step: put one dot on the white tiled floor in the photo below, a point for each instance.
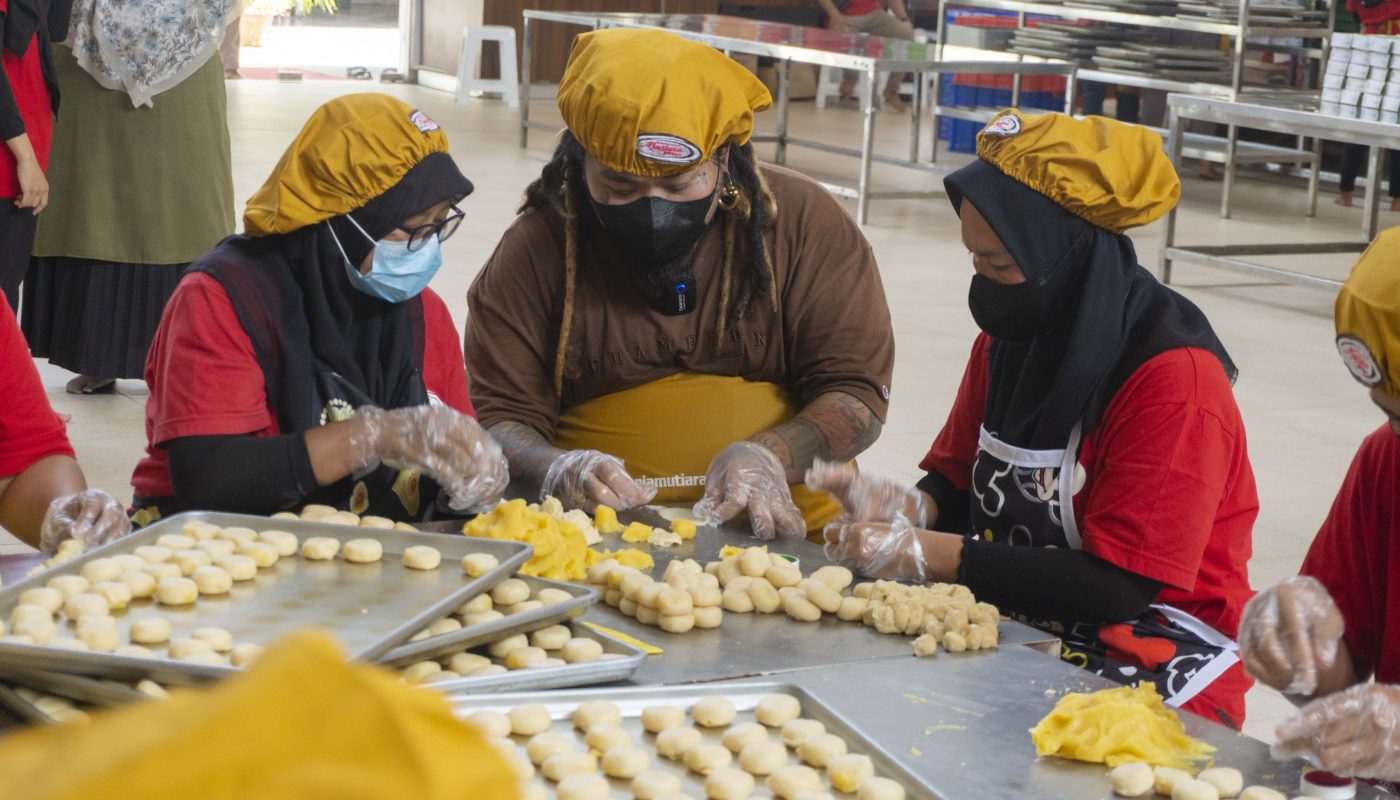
(1304, 414)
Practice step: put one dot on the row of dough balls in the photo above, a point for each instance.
(67, 550)
(940, 614)
(684, 599)
(1138, 779)
(554, 646)
(63, 710)
(511, 596)
(321, 513)
(575, 771)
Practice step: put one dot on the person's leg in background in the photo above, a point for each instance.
(887, 25)
(1129, 105)
(1353, 159)
(1091, 95)
(1394, 189)
(16, 243)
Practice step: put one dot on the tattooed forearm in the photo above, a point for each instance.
(529, 453)
(834, 427)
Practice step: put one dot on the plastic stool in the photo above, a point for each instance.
(508, 85)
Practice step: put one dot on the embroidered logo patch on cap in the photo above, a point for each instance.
(423, 122)
(1359, 360)
(667, 149)
(1009, 125)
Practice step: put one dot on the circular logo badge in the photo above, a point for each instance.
(423, 122)
(1359, 360)
(1007, 125)
(667, 149)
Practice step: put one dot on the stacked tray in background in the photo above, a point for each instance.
(1156, 8)
(1165, 61)
(1068, 42)
(1262, 13)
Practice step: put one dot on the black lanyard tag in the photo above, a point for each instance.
(682, 301)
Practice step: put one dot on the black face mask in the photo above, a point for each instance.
(1011, 312)
(659, 236)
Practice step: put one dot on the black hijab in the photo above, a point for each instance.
(1109, 314)
(305, 318)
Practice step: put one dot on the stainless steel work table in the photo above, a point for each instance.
(1296, 116)
(764, 644)
(870, 55)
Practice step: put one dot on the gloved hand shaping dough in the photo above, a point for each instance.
(1289, 634)
(92, 517)
(867, 499)
(1353, 732)
(891, 550)
(443, 443)
(586, 478)
(746, 475)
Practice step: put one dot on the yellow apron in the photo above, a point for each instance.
(668, 431)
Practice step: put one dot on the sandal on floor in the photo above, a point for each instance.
(87, 384)
(358, 74)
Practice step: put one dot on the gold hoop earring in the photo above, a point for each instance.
(729, 195)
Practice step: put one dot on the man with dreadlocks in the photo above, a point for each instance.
(665, 302)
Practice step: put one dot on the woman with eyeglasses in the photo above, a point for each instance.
(306, 361)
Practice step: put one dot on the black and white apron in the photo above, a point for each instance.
(1026, 498)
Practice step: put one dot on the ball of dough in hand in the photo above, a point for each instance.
(706, 758)
(151, 630)
(320, 548)
(212, 580)
(176, 591)
(1134, 779)
(848, 772)
(421, 556)
(777, 710)
(1226, 780)
(799, 730)
(582, 787)
(763, 757)
(737, 737)
(543, 745)
(363, 551)
(561, 765)
(656, 719)
(673, 743)
(529, 719)
(490, 723)
(787, 783)
(655, 784)
(880, 789)
(1192, 789)
(595, 714)
(713, 712)
(625, 762)
(728, 783)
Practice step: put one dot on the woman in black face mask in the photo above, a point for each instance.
(1092, 477)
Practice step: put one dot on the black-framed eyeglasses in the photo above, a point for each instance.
(418, 236)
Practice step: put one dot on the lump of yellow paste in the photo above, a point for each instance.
(683, 528)
(1116, 726)
(561, 552)
(636, 533)
(605, 520)
(637, 559)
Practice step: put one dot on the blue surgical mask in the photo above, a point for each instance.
(395, 273)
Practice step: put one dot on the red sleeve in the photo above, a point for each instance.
(1166, 453)
(444, 372)
(955, 450)
(29, 428)
(204, 378)
(1349, 555)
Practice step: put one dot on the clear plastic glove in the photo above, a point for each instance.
(743, 476)
(1289, 634)
(586, 478)
(442, 443)
(888, 550)
(871, 499)
(1354, 732)
(92, 517)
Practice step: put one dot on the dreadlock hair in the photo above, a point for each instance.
(562, 191)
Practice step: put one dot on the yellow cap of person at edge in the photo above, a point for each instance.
(1368, 316)
(1109, 173)
(352, 149)
(654, 104)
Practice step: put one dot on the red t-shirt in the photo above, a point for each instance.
(205, 380)
(29, 428)
(1169, 493)
(26, 76)
(1356, 555)
(859, 7)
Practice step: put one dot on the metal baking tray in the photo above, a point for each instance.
(22, 708)
(467, 638)
(745, 696)
(78, 688)
(370, 608)
(528, 680)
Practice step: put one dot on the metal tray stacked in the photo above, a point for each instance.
(745, 697)
(369, 608)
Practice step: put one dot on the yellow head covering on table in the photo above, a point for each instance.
(1112, 175)
(1368, 315)
(352, 149)
(301, 723)
(651, 103)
